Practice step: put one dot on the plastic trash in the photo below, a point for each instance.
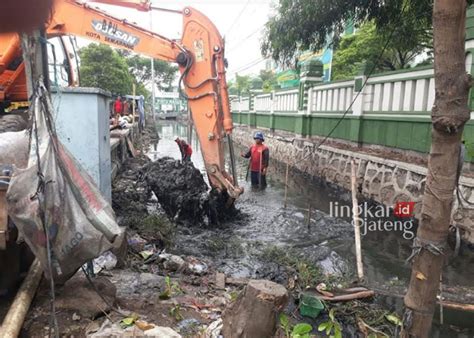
(214, 329)
(136, 243)
(188, 326)
(197, 267)
(310, 306)
(106, 261)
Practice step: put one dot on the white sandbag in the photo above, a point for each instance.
(63, 200)
(14, 146)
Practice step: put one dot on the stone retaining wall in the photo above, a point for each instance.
(383, 180)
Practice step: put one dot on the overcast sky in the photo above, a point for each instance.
(240, 21)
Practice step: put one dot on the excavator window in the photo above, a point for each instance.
(59, 68)
(70, 46)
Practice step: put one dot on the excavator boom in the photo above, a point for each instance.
(199, 55)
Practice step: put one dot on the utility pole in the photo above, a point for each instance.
(152, 74)
(449, 114)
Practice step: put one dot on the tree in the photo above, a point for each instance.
(307, 24)
(140, 67)
(242, 83)
(269, 80)
(364, 48)
(103, 67)
(450, 113)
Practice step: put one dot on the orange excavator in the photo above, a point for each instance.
(199, 55)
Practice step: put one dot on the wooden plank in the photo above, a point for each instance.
(130, 147)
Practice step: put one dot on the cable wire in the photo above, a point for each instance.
(235, 45)
(237, 18)
(248, 65)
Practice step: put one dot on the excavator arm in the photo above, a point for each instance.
(199, 55)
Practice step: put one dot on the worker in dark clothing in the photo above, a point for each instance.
(259, 155)
(185, 150)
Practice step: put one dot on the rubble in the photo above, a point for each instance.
(171, 262)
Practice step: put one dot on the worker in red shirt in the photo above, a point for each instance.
(185, 150)
(259, 155)
(118, 106)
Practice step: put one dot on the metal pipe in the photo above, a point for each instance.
(232, 160)
(161, 9)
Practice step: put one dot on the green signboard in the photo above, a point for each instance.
(288, 79)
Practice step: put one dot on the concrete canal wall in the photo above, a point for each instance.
(386, 181)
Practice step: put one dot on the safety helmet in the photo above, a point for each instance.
(259, 136)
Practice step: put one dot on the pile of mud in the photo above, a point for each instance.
(183, 194)
(130, 192)
(180, 189)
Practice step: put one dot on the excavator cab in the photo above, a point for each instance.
(63, 62)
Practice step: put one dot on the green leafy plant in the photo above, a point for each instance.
(128, 321)
(233, 296)
(171, 289)
(393, 318)
(175, 312)
(285, 324)
(300, 330)
(332, 327)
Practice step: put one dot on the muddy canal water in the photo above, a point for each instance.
(237, 246)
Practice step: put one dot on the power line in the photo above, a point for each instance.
(238, 17)
(235, 45)
(248, 65)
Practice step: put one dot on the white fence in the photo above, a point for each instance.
(286, 101)
(334, 97)
(405, 92)
(390, 94)
(263, 103)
